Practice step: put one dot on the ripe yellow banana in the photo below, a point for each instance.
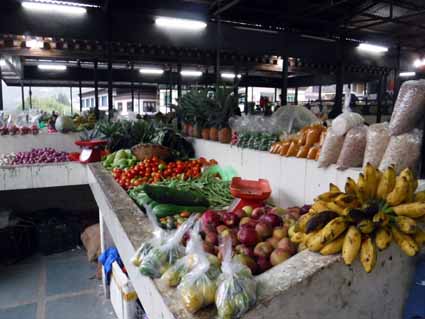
(347, 201)
(413, 210)
(387, 183)
(406, 224)
(319, 206)
(298, 237)
(381, 218)
(399, 193)
(351, 187)
(368, 254)
(420, 196)
(351, 245)
(366, 226)
(405, 242)
(362, 188)
(333, 188)
(303, 220)
(371, 180)
(419, 238)
(328, 196)
(383, 238)
(413, 184)
(314, 243)
(301, 247)
(335, 208)
(333, 229)
(334, 247)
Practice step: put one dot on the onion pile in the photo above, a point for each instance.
(41, 155)
(7, 159)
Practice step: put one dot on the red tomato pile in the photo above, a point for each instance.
(153, 170)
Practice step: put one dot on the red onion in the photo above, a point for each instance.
(45, 155)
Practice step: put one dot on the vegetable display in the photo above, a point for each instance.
(35, 156)
(121, 159)
(379, 208)
(255, 141)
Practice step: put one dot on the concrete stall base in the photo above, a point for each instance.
(306, 286)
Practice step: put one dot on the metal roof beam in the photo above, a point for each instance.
(227, 6)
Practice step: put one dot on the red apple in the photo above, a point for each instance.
(264, 230)
(263, 249)
(273, 219)
(221, 228)
(280, 232)
(248, 236)
(240, 213)
(230, 219)
(287, 245)
(258, 212)
(278, 256)
(245, 250)
(211, 217)
(248, 221)
(277, 211)
(211, 238)
(248, 210)
(247, 261)
(273, 241)
(209, 248)
(264, 264)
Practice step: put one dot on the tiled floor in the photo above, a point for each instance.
(57, 286)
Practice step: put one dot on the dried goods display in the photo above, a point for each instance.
(377, 140)
(353, 149)
(365, 218)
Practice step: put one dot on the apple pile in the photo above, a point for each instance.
(259, 236)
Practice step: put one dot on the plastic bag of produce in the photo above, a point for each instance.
(403, 151)
(409, 108)
(198, 284)
(237, 289)
(331, 148)
(353, 149)
(377, 139)
(345, 121)
(159, 236)
(160, 258)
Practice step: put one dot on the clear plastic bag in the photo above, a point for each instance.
(377, 139)
(199, 284)
(331, 148)
(159, 236)
(237, 289)
(160, 258)
(345, 121)
(409, 108)
(353, 149)
(403, 151)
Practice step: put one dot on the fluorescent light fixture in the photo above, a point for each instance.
(182, 24)
(407, 74)
(34, 44)
(52, 67)
(190, 73)
(54, 7)
(225, 75)
(372, 48)
(419, 63)
(2, 63)
(151, 71)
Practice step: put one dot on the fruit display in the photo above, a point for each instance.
(237, 289)
(305, 144)
(255, 141)
(365, 218)
(121, 159)
(259, 236)
(35, 156)
(84, 121)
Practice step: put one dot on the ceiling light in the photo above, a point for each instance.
(419, 63)
(151, 71)
(52, 67)
(229, 75)
(34, 44)
(183, 24)
(54, 7)
(190, 73)
(407, 74)
(2, 63)
(372, 48)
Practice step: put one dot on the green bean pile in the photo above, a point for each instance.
(214, 189)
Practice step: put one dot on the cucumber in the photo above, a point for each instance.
(165, 210)
(168, 195)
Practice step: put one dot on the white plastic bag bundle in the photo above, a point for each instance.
(237, 290)
(331, 148)
(409, 108)
(403, 151)
(345, 121)
(352, 152)
(377, 139)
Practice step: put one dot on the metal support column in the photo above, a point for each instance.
(218, 49)
(96, 91)
(110, 88)
(284, 88)
(296, 96)
(397, 75)
(1, 92)
(70, 95)
(379, 99)
(22, 95)
(320, 94)
(79, 86)
(246, 94)
(236, 82)
(30, 96)
(339, 77)
(132, 86)
(179, 82)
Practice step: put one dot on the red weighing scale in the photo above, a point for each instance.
(91, 150)
(249, 193)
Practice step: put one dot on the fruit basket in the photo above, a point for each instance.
(143, 151)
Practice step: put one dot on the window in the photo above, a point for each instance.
(129, 108)
(104, 100)
(119, 106)
(149, 106)
(92, 102)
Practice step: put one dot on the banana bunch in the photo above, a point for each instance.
(378, 208)
(85, 122)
